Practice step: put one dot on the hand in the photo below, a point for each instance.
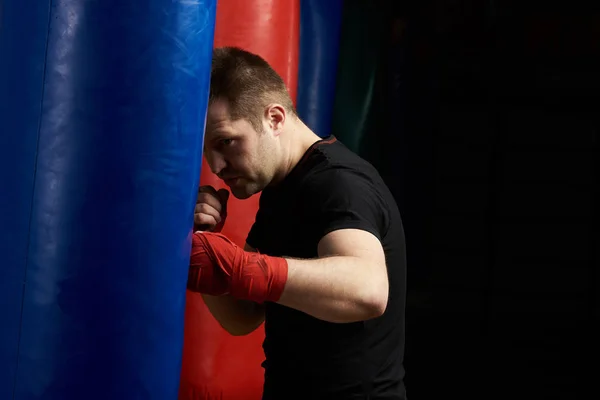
(220, 266)
(211, 209)
(203, 276)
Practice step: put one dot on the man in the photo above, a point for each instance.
(324, 264)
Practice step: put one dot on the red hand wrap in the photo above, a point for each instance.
(202, 276)
(251, 276)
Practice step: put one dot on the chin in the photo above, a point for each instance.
(241, 193)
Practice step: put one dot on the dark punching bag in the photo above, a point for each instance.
(361, 44)
(320, 23)
(216, 365)
(102, 114)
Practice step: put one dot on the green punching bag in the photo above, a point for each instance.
(362, 41)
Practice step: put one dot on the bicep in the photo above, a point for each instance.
(351, 217)
(354, 243)
(345, 200)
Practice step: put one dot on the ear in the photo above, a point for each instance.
(275, 116)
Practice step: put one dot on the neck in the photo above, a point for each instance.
(296, 143)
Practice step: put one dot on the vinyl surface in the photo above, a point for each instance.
(102, 128)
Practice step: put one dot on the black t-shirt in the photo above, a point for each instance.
(332, 188)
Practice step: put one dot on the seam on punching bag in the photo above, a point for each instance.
(37, 150)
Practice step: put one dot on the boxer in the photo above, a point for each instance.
(324, 264)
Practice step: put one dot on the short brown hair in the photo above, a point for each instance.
(248, 83)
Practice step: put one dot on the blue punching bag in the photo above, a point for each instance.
(102, 113)
(320, 24)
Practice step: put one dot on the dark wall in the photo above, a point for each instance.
(492, 110)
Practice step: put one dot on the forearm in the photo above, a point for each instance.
(348, 288)
(238, 317)
(335, 289)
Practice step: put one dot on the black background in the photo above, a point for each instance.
(495, 120)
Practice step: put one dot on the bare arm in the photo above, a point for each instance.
(238, 317)
(347, 283)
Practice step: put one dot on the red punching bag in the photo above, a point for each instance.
(217, 365)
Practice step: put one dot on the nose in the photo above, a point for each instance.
(215, 161)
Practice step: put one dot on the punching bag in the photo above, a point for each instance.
(362, 40)
(320, 23)
(102, 113)
(217, 365)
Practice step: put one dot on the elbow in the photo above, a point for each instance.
(243, 325)
(239, 332)
(239, 329)
(378, 306)
(375, 302)
(376, 292)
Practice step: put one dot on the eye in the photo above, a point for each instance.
(226, 142)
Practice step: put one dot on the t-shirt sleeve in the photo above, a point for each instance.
(345, 199)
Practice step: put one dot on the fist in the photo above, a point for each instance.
(211, 209)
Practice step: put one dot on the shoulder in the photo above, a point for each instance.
(333, 169)
(338, 180)
(330, 162)
(345, 196)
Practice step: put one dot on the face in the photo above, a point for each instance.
(245, 159)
